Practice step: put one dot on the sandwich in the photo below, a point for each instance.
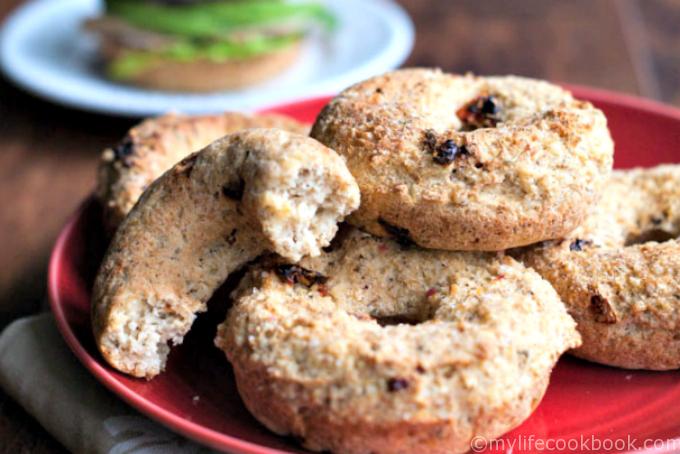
(203, 45)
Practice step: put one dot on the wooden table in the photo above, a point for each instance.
(48, 153)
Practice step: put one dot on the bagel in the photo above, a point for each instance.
(155, 145)
(468, 163)
(206, 75)
(373, 347)
(252, 191)
(619, 273)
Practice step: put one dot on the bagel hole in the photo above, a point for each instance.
(398, 319)
(657, 235)
(408, 316)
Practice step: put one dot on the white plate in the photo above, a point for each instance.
(44, 50)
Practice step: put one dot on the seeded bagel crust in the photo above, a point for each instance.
(434, 164)
(622, 287)
(155, 145)
(395, 350)
(252, 191)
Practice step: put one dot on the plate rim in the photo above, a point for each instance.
(197, 432)
(393, 55)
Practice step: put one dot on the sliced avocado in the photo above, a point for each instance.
(216, 18)
(132, 63)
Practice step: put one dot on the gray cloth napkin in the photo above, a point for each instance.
(39, 371)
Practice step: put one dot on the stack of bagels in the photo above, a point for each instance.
(485, 235)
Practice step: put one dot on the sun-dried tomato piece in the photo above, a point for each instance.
(430, 140)
(397, 384)
(448, 151)
(578, 244)
(602, 309)
(481, 112)
(443, 153)
(123, 151)
(295, 274)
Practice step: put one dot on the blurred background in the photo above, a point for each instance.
(48, 153)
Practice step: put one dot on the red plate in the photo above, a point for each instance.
(588, 408)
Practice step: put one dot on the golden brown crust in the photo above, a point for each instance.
(356, 435)
(623, 289)
(155, 145)
(400, 350)
(410, 141)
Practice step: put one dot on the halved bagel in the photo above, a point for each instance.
(253, 191)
